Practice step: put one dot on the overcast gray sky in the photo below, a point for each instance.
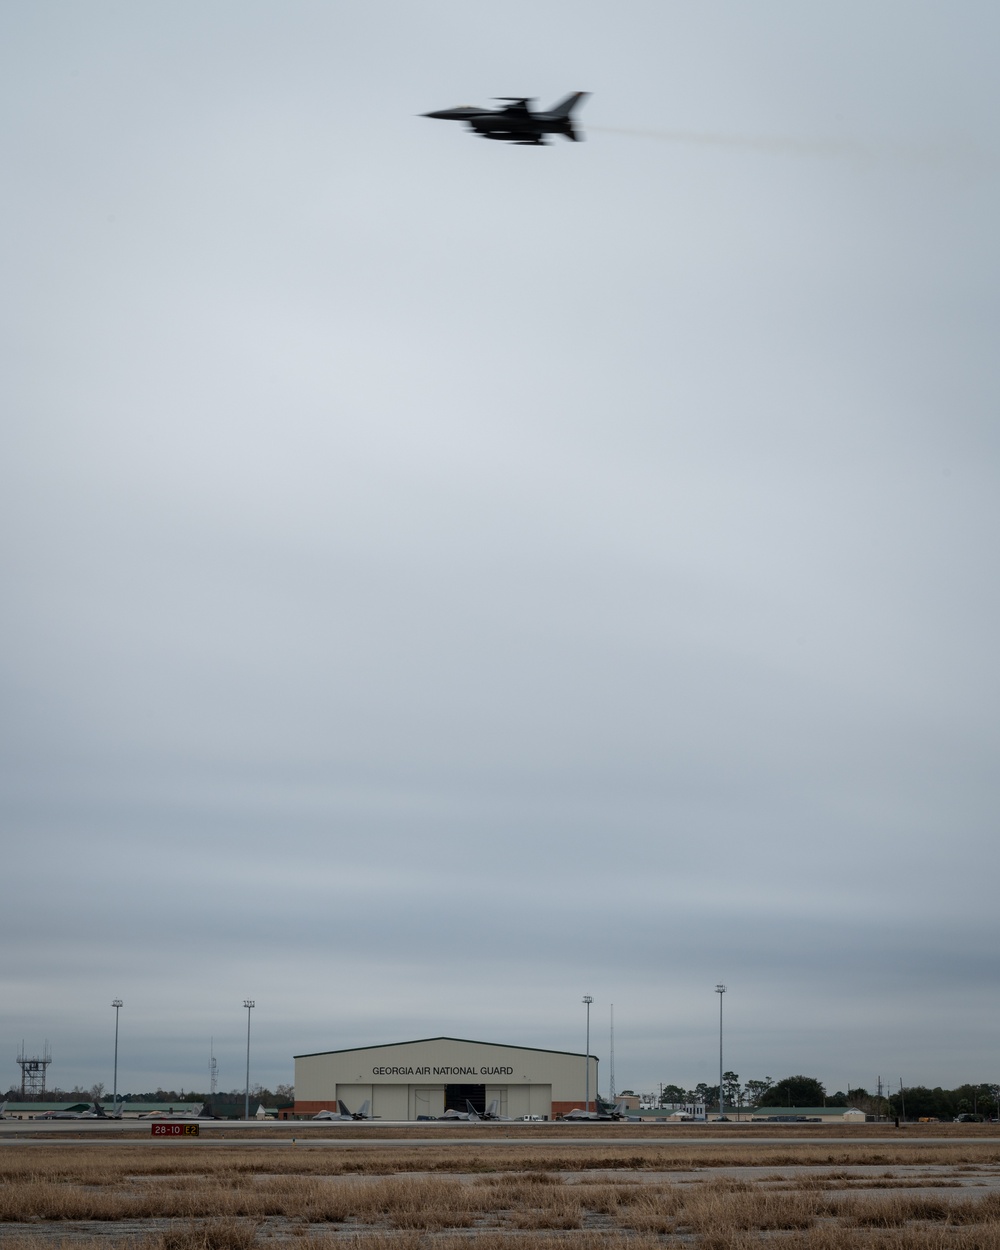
(442, 579)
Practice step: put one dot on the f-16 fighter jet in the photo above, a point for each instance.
(517, 123)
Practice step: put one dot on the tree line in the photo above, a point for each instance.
(910, 1103)
(278, 1097)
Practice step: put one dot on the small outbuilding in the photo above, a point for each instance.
(798, 1115)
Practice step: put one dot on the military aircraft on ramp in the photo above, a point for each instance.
(492, 1112)
(344, 1114)
(81, 1112)
(516, 123)
(193, 1114)
(604, 1112)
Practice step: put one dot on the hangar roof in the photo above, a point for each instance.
(467, 1041)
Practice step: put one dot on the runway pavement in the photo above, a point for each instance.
(303, 1134)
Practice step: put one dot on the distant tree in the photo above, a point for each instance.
(268, 1098)
(732, 1089)
(97, 1091)
(708, 1094)
(673, 1093)
(286, 1093)
(754, 1091)
(795, 1091)
(918, 1101)
(870, 1104)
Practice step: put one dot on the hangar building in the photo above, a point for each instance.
(405, 1080)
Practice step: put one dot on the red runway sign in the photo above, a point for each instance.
(175, 1130)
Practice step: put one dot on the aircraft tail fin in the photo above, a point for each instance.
(342, 1107)
(493, 1109)
(364, 1109)
(473, 1113)
(99, 1110)
(564, 108)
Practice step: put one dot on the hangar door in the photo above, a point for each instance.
(355, 1095)
(428, 1100)
(457, 1096)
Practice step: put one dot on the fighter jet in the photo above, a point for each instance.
(344, 1113)
(492, 1112)
(516, 123)
(453, 1113)
(81, 1112)
(194, 1113)
(604, 1112)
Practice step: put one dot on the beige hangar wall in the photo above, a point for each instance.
(404, 1080)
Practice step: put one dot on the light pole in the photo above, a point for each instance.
(248, 1003)
(588, 1000)
(720, 990)
(117, 1004)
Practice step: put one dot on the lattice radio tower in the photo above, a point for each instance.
(33, 1070)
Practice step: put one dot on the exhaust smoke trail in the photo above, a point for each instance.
(838, 148)
(799, 147)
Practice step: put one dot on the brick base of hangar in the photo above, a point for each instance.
(310, 1108)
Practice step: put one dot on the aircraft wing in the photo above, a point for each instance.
(517, 106)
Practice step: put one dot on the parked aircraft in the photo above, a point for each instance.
(516, 123)
(492, 1112)
(94, 1112)
(454, 1114)
(618, 1112)
(177, 1115)
(344, 1113)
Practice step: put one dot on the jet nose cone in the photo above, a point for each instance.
(444, 114)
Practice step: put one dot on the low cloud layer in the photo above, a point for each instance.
(445, 579)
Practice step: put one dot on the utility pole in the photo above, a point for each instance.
(249, 1004)
(611, 1076)
(587, 1001)
(720, 990)
(117, 1004)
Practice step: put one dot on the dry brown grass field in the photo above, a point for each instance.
(181, 1195)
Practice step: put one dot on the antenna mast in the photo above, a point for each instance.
(213, 1069)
